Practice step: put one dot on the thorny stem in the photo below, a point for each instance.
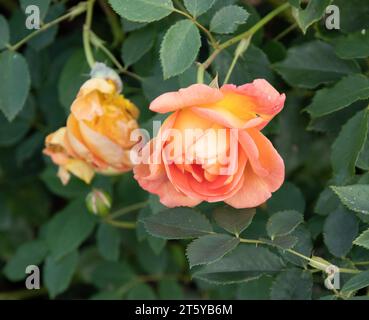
(86, 34)
(75, 11)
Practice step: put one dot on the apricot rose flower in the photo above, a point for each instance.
(97, 135)
(196, 173)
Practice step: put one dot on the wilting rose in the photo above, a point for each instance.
(241, 169)
(97, 135)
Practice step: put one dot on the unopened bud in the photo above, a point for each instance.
(98, 202)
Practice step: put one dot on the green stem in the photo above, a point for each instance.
(300, 255)
(75, 11)
(256, 27)
(129, 209)
(121, 224)
(86, 33)
(247, 34)
(99, 44)
(285, 32)
(361, 263)
(114, 23)
(241, 48)
(200, 73)
(212, 40)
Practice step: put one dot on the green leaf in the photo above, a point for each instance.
(142, 10)
(155, 86)
(142, 291)
(29, 147)
(354, 197)
(158, 262)
(15, 81)
(30, 253)
(282, 242)
(179, 48)
(234, 220)
(170, 290)
(348, 145)
(327, 202)
(137, 45)
(312, 64)
(178, 223)
(109, 274)
(363, 240)
(68, 229)
(292, 284)
(108, 242)
(210, 248)
(227, 19)
(314, 10)
(13, 132)
(353, 14)
(357, 282)
(254, 64)
(4, 32)
(363, 160)
(283, 223)
(288, 197)
(198, 7)
(295, 3)
(258, 289)
(189, 77)
(340, 229)
(304, 246)
(245, 263)
(344, 93)
(355, 45)
(47, 37)
(43, 5)
(75, 188)
(75, 72)
(58, 273)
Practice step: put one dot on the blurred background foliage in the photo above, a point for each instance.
(81, 255)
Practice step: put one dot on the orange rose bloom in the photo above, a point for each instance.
(197, 174)
(97, 135)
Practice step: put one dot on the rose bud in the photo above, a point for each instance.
(98, 202)
(97, 137)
